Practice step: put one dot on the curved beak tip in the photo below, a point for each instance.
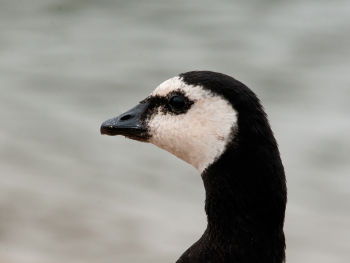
(103, 130)
(107, 128)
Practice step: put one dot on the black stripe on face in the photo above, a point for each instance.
(176, 102)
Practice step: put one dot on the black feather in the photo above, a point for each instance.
(246, 190)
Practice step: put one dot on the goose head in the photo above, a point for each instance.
(217, 124)
(188, 120)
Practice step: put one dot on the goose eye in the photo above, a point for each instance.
(177, 102)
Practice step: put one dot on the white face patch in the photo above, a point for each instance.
(198, 136)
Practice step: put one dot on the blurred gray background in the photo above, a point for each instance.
(68, 194)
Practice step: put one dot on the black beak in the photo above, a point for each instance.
(128, 124)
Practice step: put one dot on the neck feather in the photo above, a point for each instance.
(245, 205)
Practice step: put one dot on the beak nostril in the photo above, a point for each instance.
(126, 117)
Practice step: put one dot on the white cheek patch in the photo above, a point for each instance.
(198, 136)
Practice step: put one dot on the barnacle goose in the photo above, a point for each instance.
(217, 124)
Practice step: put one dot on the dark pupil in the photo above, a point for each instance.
(177, 102)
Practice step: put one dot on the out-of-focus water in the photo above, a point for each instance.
(68, 194)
